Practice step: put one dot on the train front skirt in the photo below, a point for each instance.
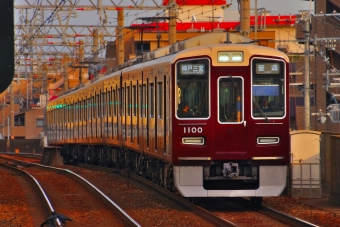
(189, 182)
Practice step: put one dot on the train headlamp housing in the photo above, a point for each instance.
(268, 140)
(230, 56)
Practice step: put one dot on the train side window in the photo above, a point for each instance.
(192, 90)
(114, 102)
(160, 99)
(123, 101)
(152, 100)
(230, 99)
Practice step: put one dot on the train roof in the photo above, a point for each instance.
(199, 45)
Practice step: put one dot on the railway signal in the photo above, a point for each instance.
(6, 44)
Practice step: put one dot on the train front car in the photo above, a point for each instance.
(231, 121)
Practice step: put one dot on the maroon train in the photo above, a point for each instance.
(207, 121)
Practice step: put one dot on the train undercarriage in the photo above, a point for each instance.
(121, 158)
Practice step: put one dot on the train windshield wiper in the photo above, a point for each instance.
(260, 110)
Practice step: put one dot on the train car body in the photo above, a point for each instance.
(207, 121)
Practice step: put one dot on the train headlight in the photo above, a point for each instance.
(193, 140)
(268, 140)
(230, 56)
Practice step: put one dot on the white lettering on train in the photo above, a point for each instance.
(193, 130)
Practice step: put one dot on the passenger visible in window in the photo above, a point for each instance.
(183, 109)
(264, 103)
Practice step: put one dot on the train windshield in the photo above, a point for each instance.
(192, 88)
(268, 90)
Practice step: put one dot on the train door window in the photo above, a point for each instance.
(147, 106)
(230, 96)
(137, 107)
(114, 104)
(140, 100)
(119, 103)
(192, 88)
(69, 113)
(151, 100)
(109, 104)
(160, 99)
(143, 101)
(134, 100)
(80, 110)
(268, 88)
(98, 106)
(123, 102)
(75, 111)
(92, 107)
(103, 103)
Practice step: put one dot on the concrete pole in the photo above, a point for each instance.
(12, 111)
(245, 17)
(95, 45)
(65, 75)
(81, 58)
(172, 22)
(119, 39)
(307, 83)
(256, 20)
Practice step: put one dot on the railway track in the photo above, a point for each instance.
(279, 217)
(73, 196)
(40, 207)
(212, 216)
(267, 211)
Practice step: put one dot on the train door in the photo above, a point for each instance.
(128, 117)
(151, 127)
(230, 135)
(160, 115)
(141, 113)
(134, 121)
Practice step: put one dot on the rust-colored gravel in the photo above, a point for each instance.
(14, 209)
(295, 207)
(147, 208)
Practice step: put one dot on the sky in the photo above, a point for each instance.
(282, 7)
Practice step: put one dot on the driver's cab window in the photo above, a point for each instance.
(268, 89)
(230, 96)
(192, 86)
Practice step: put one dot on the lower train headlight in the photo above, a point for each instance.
(268, 140)
(193, 140)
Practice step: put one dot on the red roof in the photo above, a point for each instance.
(197, 2)
(270, 21)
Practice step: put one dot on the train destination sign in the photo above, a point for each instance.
(192, 69)
(267, 68)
